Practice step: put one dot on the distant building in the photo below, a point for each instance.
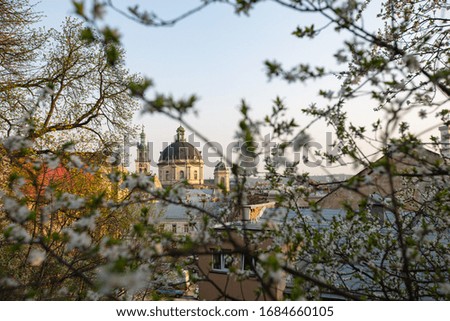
(217, 282)
(180, 220)
(374, 185)
(180, 162)
(222, 175)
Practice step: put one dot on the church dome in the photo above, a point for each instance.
(180, 151)
(221, 166)
(180, 162)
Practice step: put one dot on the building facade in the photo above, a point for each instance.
(180, 162)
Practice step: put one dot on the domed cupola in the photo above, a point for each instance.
(180, 150)
(180, 161)
(221, 166)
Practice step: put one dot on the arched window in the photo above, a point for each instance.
(195, 175)
(181, 174)
(167, 175)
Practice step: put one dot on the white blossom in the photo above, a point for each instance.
(18, 185)
(36, 257)
(177, 194)
(72, 202)
(367, 179)
(137, 181)
(76, 161)
(77, 240)
(18, 213)
(8, 283)
(15, 143)
(379, 170)
(63, 292)
(93, 296)
(115, 177)
(276, 275)
(16, 232)
(88, 222)
(47, 210)
(115, 251)
(52, 161)
(132, 281)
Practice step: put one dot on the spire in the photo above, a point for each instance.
(142, 135)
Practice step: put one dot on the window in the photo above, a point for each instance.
(174, 228)
(186, 228)
(222, 261)
(222, 181)
(167, 175)
(248, 263)
(181, 174)
(195, 175)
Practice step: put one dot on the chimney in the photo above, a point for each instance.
(445, 140)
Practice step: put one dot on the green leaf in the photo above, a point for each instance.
(87, 35)
(111, 35)
(305, 32)
(79, 8)
(139, 88)
(112, 55)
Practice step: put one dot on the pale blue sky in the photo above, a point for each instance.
(219, 56)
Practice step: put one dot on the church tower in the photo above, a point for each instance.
(222, 175)
(143, 157)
